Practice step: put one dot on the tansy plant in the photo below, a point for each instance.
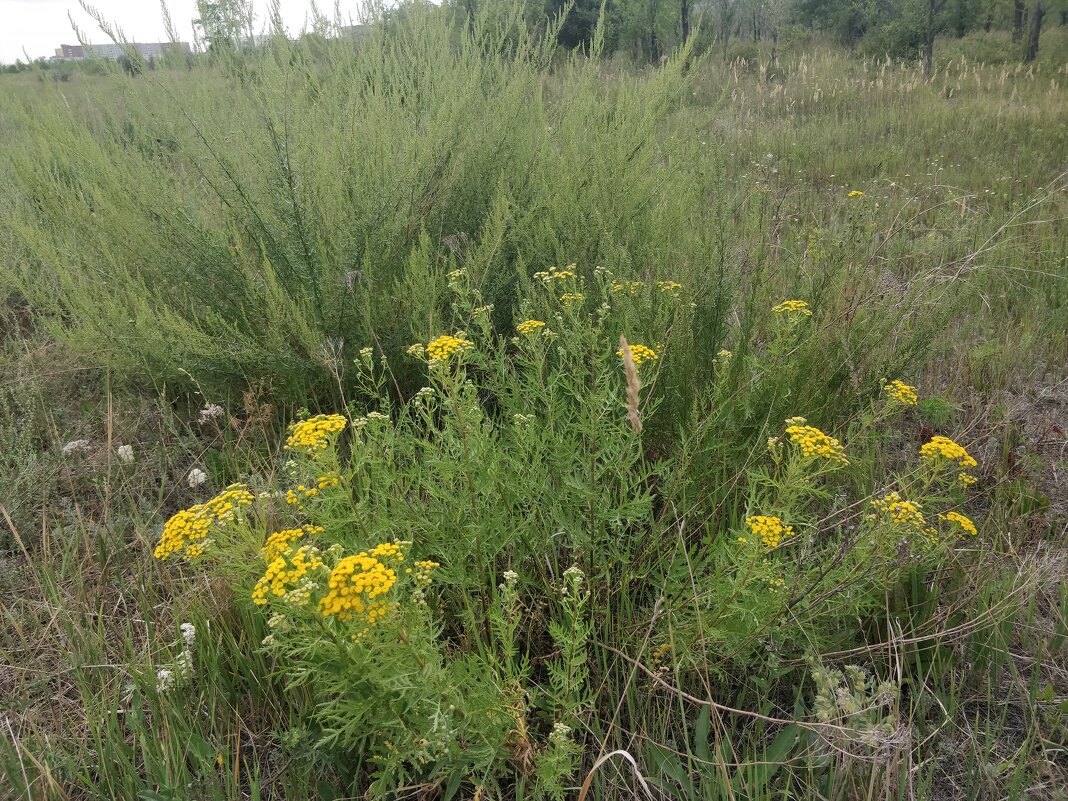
(444, 577)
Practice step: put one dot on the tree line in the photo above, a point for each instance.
(646, 30)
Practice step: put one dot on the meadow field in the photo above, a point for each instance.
(447, 415)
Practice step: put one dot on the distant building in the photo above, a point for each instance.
(147, 50)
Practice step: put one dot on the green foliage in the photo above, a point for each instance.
(649, 570)
(442, 593)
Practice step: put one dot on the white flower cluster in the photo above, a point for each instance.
(75, 446)
(167, 678)
(211, 411)
(560, 734)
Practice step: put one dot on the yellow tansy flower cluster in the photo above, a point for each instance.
(294, 497)
(420, 572)
(960, 521)
(353, 587)
(313, 434)
(554, 274)
(792, 306)
(389, 550)
(941, 449)
(813, 442)
(771, 530)
(668, 286)
(894, 509)
(901, 392)
(626, 287)
(186, 532)
(280, 541)
(285, 573)
(572, 298)
(445, 346)
(640, 353)
(530, 327)
(856, 193)
(945, 448)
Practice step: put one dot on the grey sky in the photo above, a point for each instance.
(40, 26)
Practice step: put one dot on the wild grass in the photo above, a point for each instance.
(240, 232)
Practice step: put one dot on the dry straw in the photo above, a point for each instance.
(633, 385)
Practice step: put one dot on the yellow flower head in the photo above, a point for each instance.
(315, 433)
(530, 327)
(793, 307)
(287, 572)
(186, 532)
(421, 573)
(280, 542)
(668, 286)
(900, 392)
(445, 346)
(389, 551)
(814, 444)
(554, 274)
(960, 522)
(356, 585)
(771, 530)
(640, 353)
(894, 509)
(856, 193)
(627, 287)
(945, 449)
(570, 299)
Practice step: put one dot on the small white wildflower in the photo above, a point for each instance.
(574, 576)
(164, 680)
(189, 634)
(210, 412)
(184, 665)
(125, 454)
(378, 416)
(75, 446)
(561, 733)
(196, 477)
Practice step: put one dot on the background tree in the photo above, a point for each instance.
(223, 24)
(934, 8)
(1036, 30)
(1018, 12)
